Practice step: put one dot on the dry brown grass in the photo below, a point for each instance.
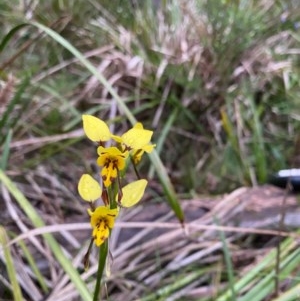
(149, 249)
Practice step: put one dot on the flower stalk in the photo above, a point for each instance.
(101, 266)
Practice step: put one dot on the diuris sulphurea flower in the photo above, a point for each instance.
(136, 140)
(112, 160)
(102, 221)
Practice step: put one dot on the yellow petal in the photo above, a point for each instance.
(133, 192)
(137, 156)
(95, 129)
(112, 151)
(149, 148)
(137, 138)
(88, 188)
(100, 233)
(117, 138)
(108, 175)
(103, 212)
(138, 125)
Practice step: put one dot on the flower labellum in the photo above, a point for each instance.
(112, 160)
(102, 220)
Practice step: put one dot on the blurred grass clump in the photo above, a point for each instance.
(224, 73)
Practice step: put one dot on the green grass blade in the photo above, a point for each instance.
(34, 268)
(167, 186)
(65, 102)
(256, 272)
(10, 34)
(292, 294)
(259, 146)
(229, 267)
(159, 167)
(163, 292)
(55, 247)
(16, 290)
(6, 151)
(163, 135)
(6, 119)
(266, 283)
(164, 178)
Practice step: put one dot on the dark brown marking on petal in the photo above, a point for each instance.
(105, 197)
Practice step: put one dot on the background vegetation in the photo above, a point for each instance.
(217, 82)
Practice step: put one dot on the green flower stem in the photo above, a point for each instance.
(101, 265)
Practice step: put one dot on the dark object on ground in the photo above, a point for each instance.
(285, 176)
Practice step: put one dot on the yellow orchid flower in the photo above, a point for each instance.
(95, 128)
(112, 160)
(88, 188)
(133, 192)
(136, 138)
(102, 220)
